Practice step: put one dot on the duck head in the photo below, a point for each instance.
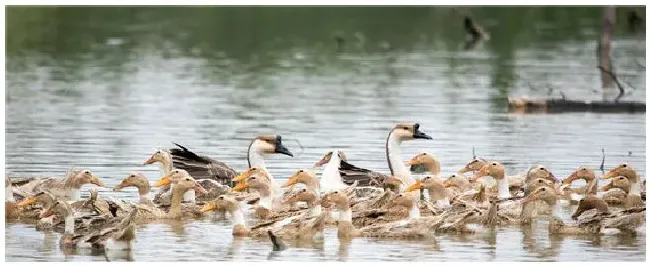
(79, 178)
(429, 161)
(302, 176)
(328, 156)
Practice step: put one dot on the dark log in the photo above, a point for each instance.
(527, 105)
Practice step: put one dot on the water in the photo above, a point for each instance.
(101, 88)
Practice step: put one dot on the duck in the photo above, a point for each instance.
(229, 204)
(164, 158)
(413, 226)
(311, 222)
(438, 194)
(182, 183)
(66, 188)
(586, 174)
(624, 169)
(457, 183)
(428, 162)
(260, 183)
(116, 234)
(12, 210)
(173, 176)
(594, 211)
(473, 166)
(556, 225)
(350, 173)
(140, 182)
(622, 196)
(331, 177)
(497, 171)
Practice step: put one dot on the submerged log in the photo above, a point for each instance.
(527, 105)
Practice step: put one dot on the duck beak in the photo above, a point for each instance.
(209, 206)
(607, 187)
(200, 189)
(414, 187)
(292, 181)
(240, 187)
(122, 185)
(165, 180)
(530, 198)
(413, 161)
(27, 201)
(95, 180)
(150, 161)
(447, 183)
(242, 176)
(464, 170)
(610, 174)
(45, 213)
(320, 163)
(481, 173)
(571, 178)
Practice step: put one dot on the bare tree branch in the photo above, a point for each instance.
(621, 90)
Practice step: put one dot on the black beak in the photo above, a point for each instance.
(417, 134)
(279, 148)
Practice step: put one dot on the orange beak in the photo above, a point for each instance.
(240, 187)
(464, 170)
(611, 174)
(27, 201)
(320, 163)
(242, 176)
(95, 180)
(607, 187)
(46, 213)
(414, 187)
(123, 184)
(292, 181)
(571, 178)
(209, 206)
(165, 180)
(414, 161)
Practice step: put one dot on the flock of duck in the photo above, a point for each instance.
(358, 202)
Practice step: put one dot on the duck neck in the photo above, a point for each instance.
(394, 155)
(433, 167)
(315, 210)
(266, 199)
(331, 178)
(165, 166)
(556, 209)
(345, 215)
(177, 198)
(189, 196)
(143, 191)
(504, 191)
(69, 223)
(9, 195)
(414, 212)
(237, 217)
(75, 194)
(635, 188)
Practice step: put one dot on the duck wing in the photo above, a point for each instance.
(201, 167)
(364, 177)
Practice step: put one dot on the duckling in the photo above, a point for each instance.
(622, 195)
(430, 163)
(67, 188)
(141, 182)
(588, 176)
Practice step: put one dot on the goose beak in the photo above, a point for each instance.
(240, 187)
(279, 148)
(165, 180)
(417, 134)
(27, 201)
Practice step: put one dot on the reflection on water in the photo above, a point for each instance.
(102, 87)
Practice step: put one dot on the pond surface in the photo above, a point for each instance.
(101, 88)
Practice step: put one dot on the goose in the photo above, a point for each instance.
(67, 188)
(401, 132)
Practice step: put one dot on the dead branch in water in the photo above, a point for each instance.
(602, 163)
(473, 153)
(621, 90)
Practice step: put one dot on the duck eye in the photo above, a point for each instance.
(253, 178)
(300, 171)
(405, 128)
(543, 189)
(254, 168)
(336, 192)
(132, 176)
(541, 168)
(624, 165)
(187, 179)
(221, 197)
(494, 164)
